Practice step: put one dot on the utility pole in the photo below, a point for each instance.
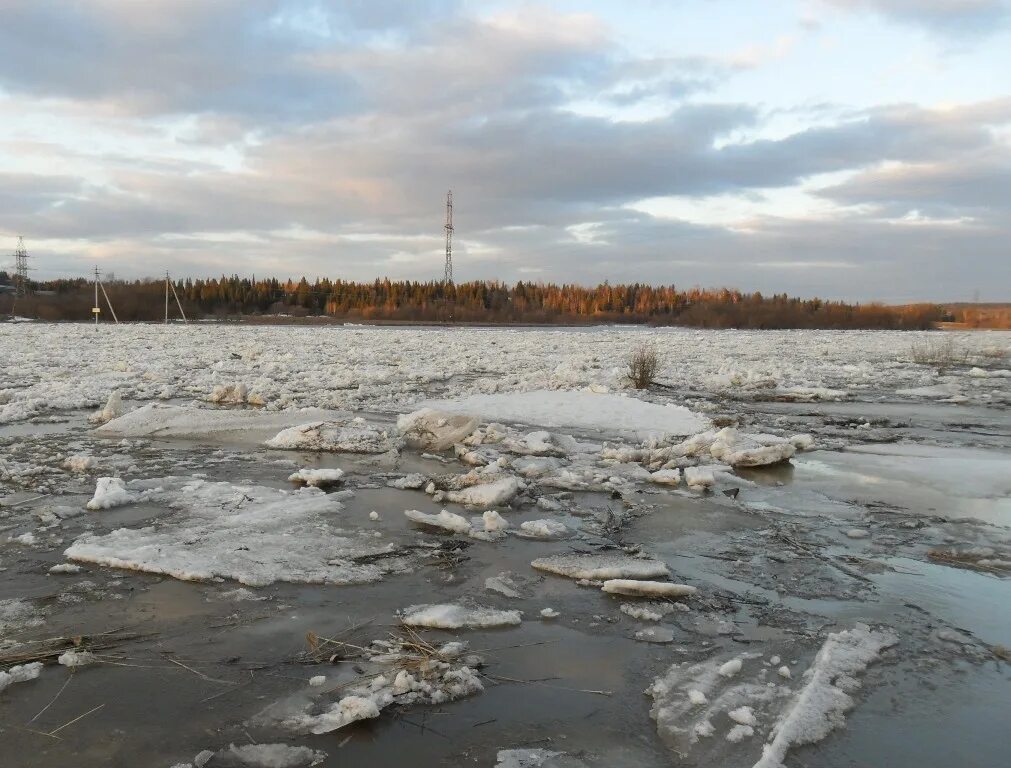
(448, 278)
(21, 287)
(170, 284)
(95, 309)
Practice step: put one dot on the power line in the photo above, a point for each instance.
(21, 286)
(448, 278)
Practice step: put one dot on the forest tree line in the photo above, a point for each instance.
(471, 302)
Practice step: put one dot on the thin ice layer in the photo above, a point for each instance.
(164, 420)
(582, 410)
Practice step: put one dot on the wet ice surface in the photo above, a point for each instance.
(897, 519)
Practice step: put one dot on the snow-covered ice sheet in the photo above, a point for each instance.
(252, 534)
(697, 705)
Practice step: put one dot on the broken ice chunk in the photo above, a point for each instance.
(600, 566)
(110, 492)
(446, 520)
(731, 668)
(451, 616)
(317, 478)
(638, 588)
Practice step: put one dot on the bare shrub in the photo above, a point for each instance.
(942, 352)
(995, 353)
(976, 559)
(643, 364)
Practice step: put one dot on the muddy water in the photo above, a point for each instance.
(207, 663)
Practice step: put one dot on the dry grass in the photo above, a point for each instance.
(995, 354)
(942, 352)
(643, 364)
(977, 561)
(47, 651)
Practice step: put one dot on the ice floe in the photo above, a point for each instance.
(252, 534)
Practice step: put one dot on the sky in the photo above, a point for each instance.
(849, 149)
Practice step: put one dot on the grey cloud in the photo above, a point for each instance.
(177, 57)
(975, 186)
(944, 17)
(354, 137)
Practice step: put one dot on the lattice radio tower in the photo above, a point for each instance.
(449, 238)
(21, 286)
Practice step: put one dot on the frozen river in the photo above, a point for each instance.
(837, 505)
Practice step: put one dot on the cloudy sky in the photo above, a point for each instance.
(854, 149)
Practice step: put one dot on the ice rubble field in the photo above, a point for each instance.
(46, 368)
(526, 450)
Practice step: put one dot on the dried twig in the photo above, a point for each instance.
(199, 674)
(42, 711)
(548, 685)
(79, 717)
